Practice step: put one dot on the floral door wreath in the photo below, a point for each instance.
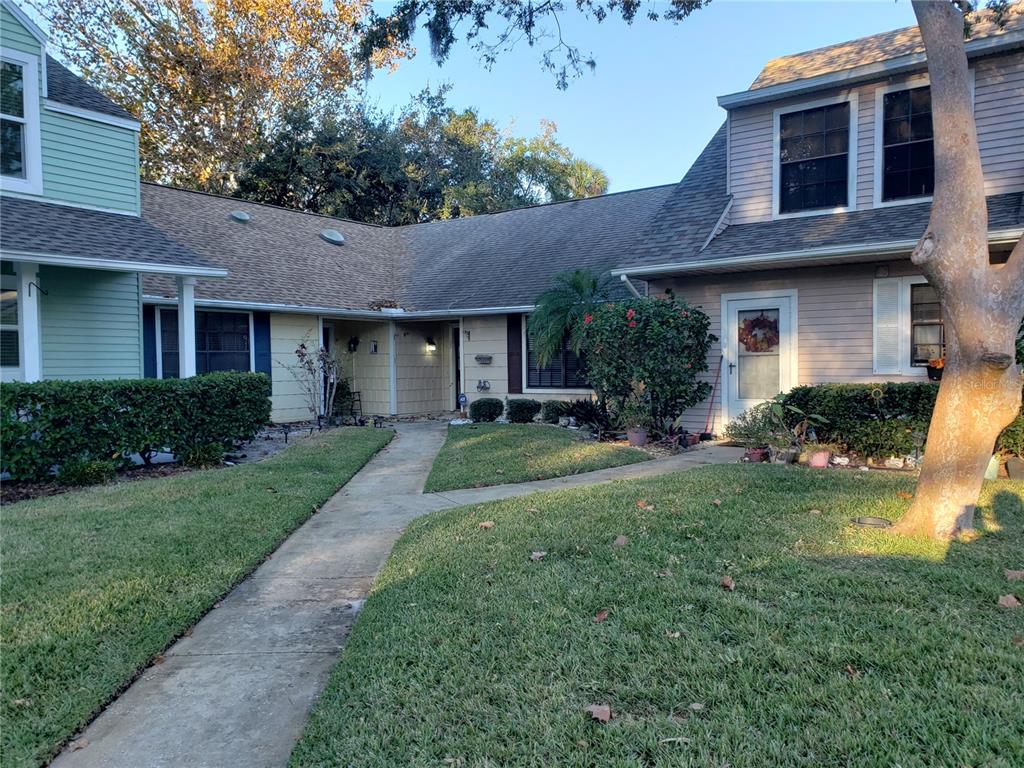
(759, 334)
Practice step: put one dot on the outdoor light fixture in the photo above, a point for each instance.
(431, 346)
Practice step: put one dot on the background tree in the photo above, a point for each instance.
(427, 162)
(207, 79)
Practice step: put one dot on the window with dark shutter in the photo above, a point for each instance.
(565, 371)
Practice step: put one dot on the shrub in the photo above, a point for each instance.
(486, 409)
(552, 410)
(659, 344)
(202, 456)
(591, 413)
(880, 420)
(755, 427)
(81, 470)
(522, 410)
(44, 423)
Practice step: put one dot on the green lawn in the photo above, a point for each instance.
(492, 454)
(97, 582)
(838, 647)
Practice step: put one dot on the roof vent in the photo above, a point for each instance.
(240, 216)
(332, 236)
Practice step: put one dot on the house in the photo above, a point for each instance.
(792, 231)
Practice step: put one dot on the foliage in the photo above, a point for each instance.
(754, 428)
(1011, 441)
(795, 426)
(82, 470)
(509, 21)
(878, 420)
(486, 409)
(492, 454)
(98, 582)
(834, 640)
(203, 456)
(318, 375)
(635, 412)
(427, 162)
(559, 311)
(208, 80)
(658, 344)
(44, 423)
(553, 410)
(522, 410)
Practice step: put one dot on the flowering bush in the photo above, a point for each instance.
(659, 344)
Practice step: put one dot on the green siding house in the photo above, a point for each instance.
(73, 244)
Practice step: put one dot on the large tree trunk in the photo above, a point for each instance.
(982, 303)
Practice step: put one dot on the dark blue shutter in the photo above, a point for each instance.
(149, 341)
(261, 342)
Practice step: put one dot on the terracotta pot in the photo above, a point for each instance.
(1015, 468)
(692, 439)
(756, 455)
(637, 436)
(819, 459)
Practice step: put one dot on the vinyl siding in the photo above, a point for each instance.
(834, 323)
(999, 112)
(488, 335)
(91, 324)
(89, 163)
(367, 373)
(288, 401)
(14, 35)
(423, 377)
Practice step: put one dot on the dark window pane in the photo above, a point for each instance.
(897, 158)
(169, 343)
(921, 182)
(813, 157)
(12, 148)
(814, 121)
(920, 127)
(835, 142)
(8, 307)
(921, 100)
(791, 125)
(838, 117)
(12, 89)
(835, 194)
(564, 371)
(921, 155)
(896, 185)
(896, 104)
(896, 131)
(909, 163)
(9, 349)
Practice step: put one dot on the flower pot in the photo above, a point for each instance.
(783, 455)
(819, 459)
(934, 373)
(692, 439)
(756, 455)
(637, 436)
(1015, 468)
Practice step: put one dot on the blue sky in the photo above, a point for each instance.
(649, 108)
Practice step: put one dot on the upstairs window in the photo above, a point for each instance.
(814, 146)
(20, 162)
(564, 371)
(908, 168)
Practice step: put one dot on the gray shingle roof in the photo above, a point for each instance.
(278, 256)
(65, 86)
(872, 49)
(32, 226)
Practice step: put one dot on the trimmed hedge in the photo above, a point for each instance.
(521, 410)
(46, 423)
(880, 420)
(486, 409)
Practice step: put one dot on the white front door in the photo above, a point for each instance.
(759, 347)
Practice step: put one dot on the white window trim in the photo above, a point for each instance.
(12, 372)
(159, 345)
(879, 146)
(32, 184)
(903, 321)
(726, 345)
(528, 390)
(851, 156)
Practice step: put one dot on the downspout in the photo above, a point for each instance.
(461, 362)
(393, 368)
(632, 288)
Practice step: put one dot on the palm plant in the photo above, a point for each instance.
(560, 311)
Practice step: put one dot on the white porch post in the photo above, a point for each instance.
(186, 327)
(393, 367)
(30, 350)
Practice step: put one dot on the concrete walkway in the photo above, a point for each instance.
(237, 691)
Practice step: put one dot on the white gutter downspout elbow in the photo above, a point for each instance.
(632, 288)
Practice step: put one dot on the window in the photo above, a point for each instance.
(565, 371)
(927, 338)
(908, 167)
(10, 355)
(222, 342)
(20, 164)
(814, 159)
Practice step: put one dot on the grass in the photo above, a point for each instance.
(98, 582)
(839, 646)
(491, 454)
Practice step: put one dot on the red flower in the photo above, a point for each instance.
(587, 318)
(632, 323)
(630, 314)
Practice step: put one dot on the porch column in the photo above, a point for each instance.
(186, 327)
(30, 347)
(393, 367)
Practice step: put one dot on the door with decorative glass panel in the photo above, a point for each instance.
(759, 348)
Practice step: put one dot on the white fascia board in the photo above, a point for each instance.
(983, 46)
(356, 314)
(113, 265)
(889, 248)
(91, 114)
(26, 21)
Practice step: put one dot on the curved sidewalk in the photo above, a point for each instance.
(237, 690)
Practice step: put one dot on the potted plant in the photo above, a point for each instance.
(635, 417)
(935, 369)
(819, 454)
(754, 429)
(788, 441)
